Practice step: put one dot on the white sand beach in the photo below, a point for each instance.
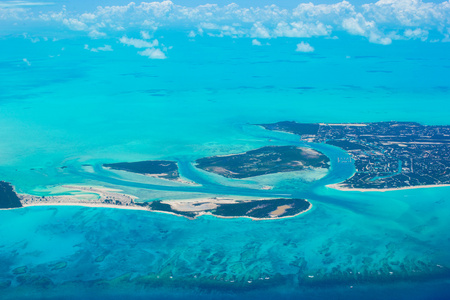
(342, 188)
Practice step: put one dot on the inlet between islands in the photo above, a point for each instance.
(366, 143)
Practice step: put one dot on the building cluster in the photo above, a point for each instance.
(386, 154)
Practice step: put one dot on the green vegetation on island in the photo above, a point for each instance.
(8, 198)
(262, 161)
(255, 209)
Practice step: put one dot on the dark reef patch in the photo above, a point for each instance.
(255, 279)
(20, 270)
(304, 88)
(5, 284)
(58, 266)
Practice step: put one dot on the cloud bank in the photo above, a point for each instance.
(380, 22)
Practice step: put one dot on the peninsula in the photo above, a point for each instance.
(262, 161)
(387, 155)
(224, 207)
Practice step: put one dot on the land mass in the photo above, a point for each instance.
(262, 161)
(8, 198)
(164, 169)
(387, 155)
(257, 209)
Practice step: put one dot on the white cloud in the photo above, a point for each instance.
(192, 34)
(446, 33)
(95, 34)
(219, 30)
(358, 25)
(88, 17)
(377, 38)
(312, 12)
(32, 39)
(153, 53)
(14, 14)
(137, 43)
(26, 61)
(302, 30)
(150, 25)
(255, 42)
(23, 3)
(145, 35)
(379, 22)
(258, 30)
(407, 12)
(104, 48)
(75, 24)
(304, 47)
(416, 34)
(209, 26)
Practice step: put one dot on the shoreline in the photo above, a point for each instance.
(113, 198)
(226, 217)
(263, 219)
(138, 207)
(94, 205)
(339, 187)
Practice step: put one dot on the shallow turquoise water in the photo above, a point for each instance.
(91, 108)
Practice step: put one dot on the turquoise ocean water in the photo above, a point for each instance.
(71, 107)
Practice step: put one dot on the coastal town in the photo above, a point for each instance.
(387, 155)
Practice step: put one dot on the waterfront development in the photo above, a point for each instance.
(174, 150)
(387, 155)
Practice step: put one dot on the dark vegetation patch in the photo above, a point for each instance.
(8, 198)
(262, 161)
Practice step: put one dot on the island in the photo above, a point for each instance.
(263, 161)
(224, 207)
(8, 198)
(163, 169)
(256, 209)
(387, 155)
